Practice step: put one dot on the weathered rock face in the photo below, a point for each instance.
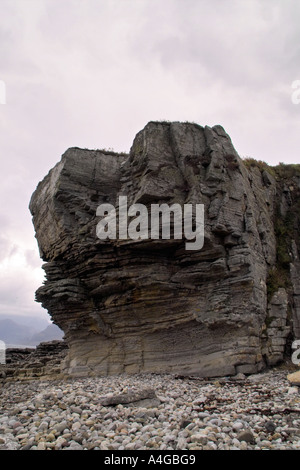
(151, 305)
(42, 362)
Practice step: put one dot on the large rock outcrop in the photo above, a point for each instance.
(151, 305)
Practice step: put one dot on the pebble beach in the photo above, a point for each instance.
(259, 412)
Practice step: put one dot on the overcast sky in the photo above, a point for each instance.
(92, 73)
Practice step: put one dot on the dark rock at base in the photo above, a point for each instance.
(270, 426)
(144, 398)
(246, 436)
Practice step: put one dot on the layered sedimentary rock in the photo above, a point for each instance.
(41, 362)
(152, 305)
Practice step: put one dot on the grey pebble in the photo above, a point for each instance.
(189, 415)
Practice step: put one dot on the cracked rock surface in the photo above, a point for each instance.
(132, 306)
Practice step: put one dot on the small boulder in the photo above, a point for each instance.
(246, 436)
(294, 378)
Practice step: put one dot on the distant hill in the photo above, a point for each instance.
(12, 332)
(36, 323)
(48, 334)
(22, 331)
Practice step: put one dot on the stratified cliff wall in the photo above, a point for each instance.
(151, 305)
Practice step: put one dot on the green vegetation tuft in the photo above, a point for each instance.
(280, 172)
(287, 171)
(286, 226)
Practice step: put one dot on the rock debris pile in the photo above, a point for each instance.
(151, 412)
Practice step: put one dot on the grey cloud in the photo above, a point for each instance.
(32, 259)
(242, 43)
(4, 246)
(92, 73)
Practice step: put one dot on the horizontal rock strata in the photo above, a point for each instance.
(34, 363)
(151, 305)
